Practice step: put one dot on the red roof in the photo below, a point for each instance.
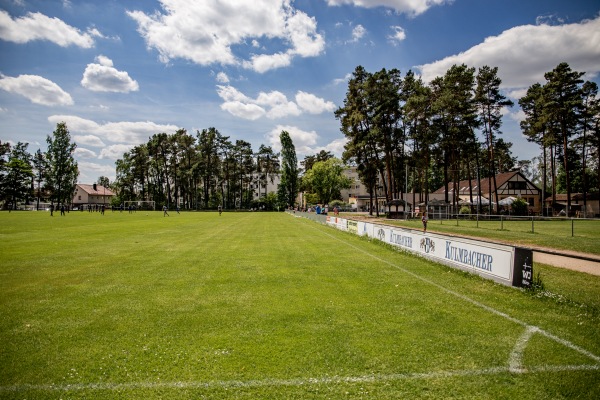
(100, 190)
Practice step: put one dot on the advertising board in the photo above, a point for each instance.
(506, 264)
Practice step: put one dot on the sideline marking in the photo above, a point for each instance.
(290, 382)
(469, 300)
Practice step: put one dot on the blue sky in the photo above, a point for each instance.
(118, 72)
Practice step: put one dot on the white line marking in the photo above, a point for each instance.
(514, 361)
(290, 382)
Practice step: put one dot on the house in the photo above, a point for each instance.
(357, 195)
(91, 194)
(591, 209)
(508, 184)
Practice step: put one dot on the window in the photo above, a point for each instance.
(79, 197)
(517, 185)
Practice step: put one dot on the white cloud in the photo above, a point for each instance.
(88, 140)
(263, 63)
(86, 169)
(524, 53)
(304, 141)
(102, 77)
(37, 26)
(115, 151)
(336, 147)
(222, 77)
(313, 104)
(206, 32)
(283, 110)
(242, 110)
(131, 133)
(229, 93)
(410, 7)
(84, 153)
(398, 35)
(343, 80)
(272, 104)
(358, 32)
(37, 89)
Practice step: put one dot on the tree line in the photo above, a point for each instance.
(405, 135)
(42, 176)
(198, 172)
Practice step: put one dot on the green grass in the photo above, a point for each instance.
(264, 305)
(577, 235)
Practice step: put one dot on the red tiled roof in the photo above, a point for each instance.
(100, 190)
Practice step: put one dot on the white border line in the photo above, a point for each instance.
(290, 382)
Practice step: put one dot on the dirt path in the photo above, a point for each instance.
(569, 262)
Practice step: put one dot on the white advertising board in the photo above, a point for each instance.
(490, 260)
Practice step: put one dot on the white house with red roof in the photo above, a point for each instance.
(92, 194)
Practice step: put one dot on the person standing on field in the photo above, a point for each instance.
(165, 213)
(424, 219)
(220, 210)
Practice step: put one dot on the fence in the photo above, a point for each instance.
(518, 223)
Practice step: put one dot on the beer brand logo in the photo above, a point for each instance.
(427, 245)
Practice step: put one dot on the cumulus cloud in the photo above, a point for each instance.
(37, 26)
(222, 77)
(313, 104)
(272, 104)
(303, 141)
(409, 7)
(524, 53)
(343, 80)
(80, 152)
(242, 110)
(115, 151)
(37, 89)
(88, 140)
(130, 133)
(103, 77)
(398, 35)
(89, 171)
(358, 32)
(207, 32)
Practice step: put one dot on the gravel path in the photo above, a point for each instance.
(588, 263)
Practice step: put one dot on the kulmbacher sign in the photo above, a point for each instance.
(509, 265)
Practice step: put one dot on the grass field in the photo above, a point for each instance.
(566, 234)
(265, 305)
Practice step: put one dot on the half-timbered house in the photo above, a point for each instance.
(508, 184)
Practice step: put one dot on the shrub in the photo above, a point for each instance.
(519, 207)
(465, 210)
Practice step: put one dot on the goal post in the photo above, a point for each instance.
(146, 205)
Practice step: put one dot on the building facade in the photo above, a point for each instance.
(91, 195)
(508, 184)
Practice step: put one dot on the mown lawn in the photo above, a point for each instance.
(265, 305)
